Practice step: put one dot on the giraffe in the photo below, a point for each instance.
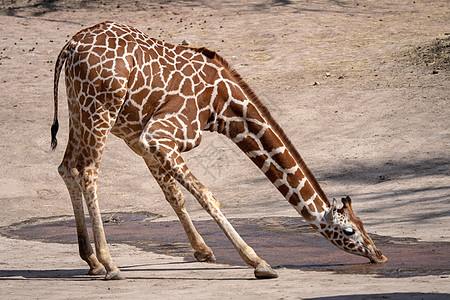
(159, 98)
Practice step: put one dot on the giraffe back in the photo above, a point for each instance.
(135, 77)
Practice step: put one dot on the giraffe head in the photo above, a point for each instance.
(346, 231)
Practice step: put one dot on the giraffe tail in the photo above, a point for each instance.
(58, 67)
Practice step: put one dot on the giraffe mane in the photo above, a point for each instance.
(267, 116)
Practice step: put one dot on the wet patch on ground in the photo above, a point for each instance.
(284, 242)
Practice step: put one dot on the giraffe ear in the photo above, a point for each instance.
(329, 216)
(347, 205)
(346, 202)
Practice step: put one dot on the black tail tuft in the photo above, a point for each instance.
(54, 131)
(58, 67)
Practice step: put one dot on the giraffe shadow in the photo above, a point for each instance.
(181, 268)
(27, 274)
(144, 272)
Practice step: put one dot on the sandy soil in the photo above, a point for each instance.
(361, 87)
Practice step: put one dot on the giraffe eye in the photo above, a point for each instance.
(349, 231)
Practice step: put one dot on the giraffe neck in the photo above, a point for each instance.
(248, 124)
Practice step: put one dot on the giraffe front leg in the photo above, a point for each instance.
(262, 269)
(202, 253)
(173, 195)
(165, 151)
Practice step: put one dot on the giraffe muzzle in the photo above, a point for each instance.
(377, 257)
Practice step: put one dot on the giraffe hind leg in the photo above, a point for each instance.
(85, 161)
(68, 173)
(173, 194)
(88, 183)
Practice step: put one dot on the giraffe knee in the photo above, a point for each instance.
(210, 199)
(66, 172)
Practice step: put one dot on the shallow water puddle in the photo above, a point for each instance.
(281, 241)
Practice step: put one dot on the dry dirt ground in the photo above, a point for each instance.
(361, 87)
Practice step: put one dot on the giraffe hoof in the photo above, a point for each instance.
(97, 271)
(117, 275)
(265, 272)
(210, 258)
